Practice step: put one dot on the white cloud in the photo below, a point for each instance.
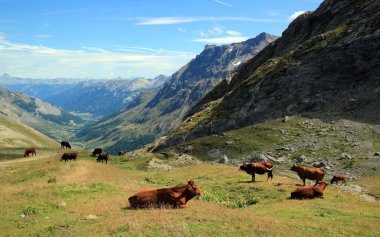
(223, 3)
(221, 40)
(180, 20)
(233, 33)
(35, 61)
(215, 31)
(295, 15)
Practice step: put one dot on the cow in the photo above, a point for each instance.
(65, 144)
(176, 197)
(30, 150)
(304, 173)
(309, 192)
(97, 151)
(102, 157)
(258, 168)
(268, 164)
(69, 156)
(338, 178)
(121, 153)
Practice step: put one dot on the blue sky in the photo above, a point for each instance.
(115, 38)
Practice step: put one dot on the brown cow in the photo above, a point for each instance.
(65, 144)
(97, 151)
(69, 156)
(338, 178)
(309, 192)
(304, 173)
(103, 157)
(258, 168)
(175, 196)
(30, 150)
(121, 153)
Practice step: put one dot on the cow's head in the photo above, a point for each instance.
(294, 168)
(322, 185)
(193, 188)
(244, 167)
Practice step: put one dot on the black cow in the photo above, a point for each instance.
(65, 144)
(102, 157)
(97, 151)
(69, 156)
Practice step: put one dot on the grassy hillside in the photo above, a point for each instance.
(16, 136)
(85, 198)
(314, 139)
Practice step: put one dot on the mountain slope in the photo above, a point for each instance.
(37, 114)
(14, 134)
(160, 113)
(103, 98)
(326, 64)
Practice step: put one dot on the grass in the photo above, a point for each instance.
(229, 206)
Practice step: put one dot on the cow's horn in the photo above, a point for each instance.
(270, 169)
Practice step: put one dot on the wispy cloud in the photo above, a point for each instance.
(230, 37)
(181, 20)
(295, 15)
(28, 60)
(42, 36)
(223, 3)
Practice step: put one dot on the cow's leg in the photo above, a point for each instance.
(304, 180)
(253, 177)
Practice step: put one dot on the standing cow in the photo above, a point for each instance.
(69, 156)
(309, 192)
(65, 144)
(30, 150)
(103, 157)
(258, 168)
(97, 151)
(304, 173)
(338, 178)
(121, 153)
(175, 197)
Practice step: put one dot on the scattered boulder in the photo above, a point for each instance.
(223, 159)
(377, 153)
(158, 164)
(214, 153)
(301, 159)
(260, 158)
(62, 204)
(286, 119)
(285, 149)
(345, 156)
(321, 164)
(229, 142)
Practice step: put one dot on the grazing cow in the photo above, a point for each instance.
(309, 192)
(121, 153)
(304, 173)
(97, 151)
(102, 157)
(30, 150)
(338, 178)
(65, 144)
(175, 196)
(69, 156)
(258, 168)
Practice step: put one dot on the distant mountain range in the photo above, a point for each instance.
(326, 65)
(39, 115)
(158, 113)
(96, 97)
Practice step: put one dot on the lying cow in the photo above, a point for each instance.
(258, 168)
(65, 144)
(309, 192)
(175, 197)
(30, 150)
(97, 151)
(69, 156)
(338, 178)
(304, 173)
(102, 157)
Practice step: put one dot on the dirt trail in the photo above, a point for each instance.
(20, 160)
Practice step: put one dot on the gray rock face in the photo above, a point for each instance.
(325, 63)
